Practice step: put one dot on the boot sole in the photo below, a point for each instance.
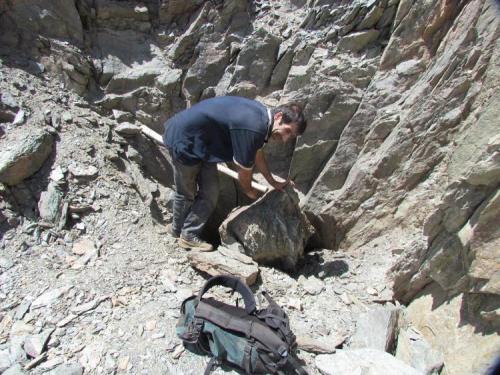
(193, 246)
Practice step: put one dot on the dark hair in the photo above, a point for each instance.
(292, 113)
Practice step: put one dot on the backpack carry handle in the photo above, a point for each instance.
(235, 284)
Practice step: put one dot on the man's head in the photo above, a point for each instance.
(288, 122)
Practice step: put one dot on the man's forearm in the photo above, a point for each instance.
(261, 164)
(245, 180)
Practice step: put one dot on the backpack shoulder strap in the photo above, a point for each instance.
(235, 284)
(212, 364)
(299, 369)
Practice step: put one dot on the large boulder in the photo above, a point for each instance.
(23, 155)
(362, 361)
(416, 351)
(272, 231)
(376, 329)
(57, 19)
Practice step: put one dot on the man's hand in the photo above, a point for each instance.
(252, 194)
(245, 179)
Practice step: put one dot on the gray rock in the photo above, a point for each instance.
(6, 263)
(126, 128)
(371, 18)
(35, 345)
(225, 261)
(414, 350)
(49, 297)
(206, 71)
(169, 82)
(306, 161)
(122, 116)
(8, 101)
(312, 285)
(49, 205)
(67, 369)
(15, 370)
(21, 158)
(20, 118)
(257, 58)
(17, 353)
(5, 361)
(280, 72)
(362, 361)
(50, 18)
(355, 42)
(245, 89)
(23, 308)
(83, 171)
(323, 345)
(278, 213)
(376, 329)
(138, 76)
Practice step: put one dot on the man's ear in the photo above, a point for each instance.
(277, 117)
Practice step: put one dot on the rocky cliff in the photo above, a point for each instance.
(401, 158)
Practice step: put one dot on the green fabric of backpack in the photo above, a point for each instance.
(251, 340)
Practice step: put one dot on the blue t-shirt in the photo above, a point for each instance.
(220, 129)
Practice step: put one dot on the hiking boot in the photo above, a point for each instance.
(171, 232)
(194, 243)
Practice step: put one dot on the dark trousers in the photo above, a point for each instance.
(196, 194)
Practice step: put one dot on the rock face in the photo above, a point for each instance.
(271, 231)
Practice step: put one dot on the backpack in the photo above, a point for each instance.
(255, 341)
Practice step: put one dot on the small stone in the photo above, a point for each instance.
(67, 117)
(158, 335)
(5, 361)
(294, 303)
(225, 261)
(6, 263)
(83, 246)
(66, 320)
(67, 369)
(126, 128)
(23, 308)
(20, 329)
(6, 99)
(371, 291)
(51, 363)
(345, 299)
(150, 325)
(35, 345)
(312, 285)
(15, 370)
(319, 346)
(122, 363)
(49, 297)
(20, 118)
(179, 350)
(80, 171)
(57, 174)
(80, 226)
(84, 259)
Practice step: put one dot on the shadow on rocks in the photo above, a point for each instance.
(313, 264)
